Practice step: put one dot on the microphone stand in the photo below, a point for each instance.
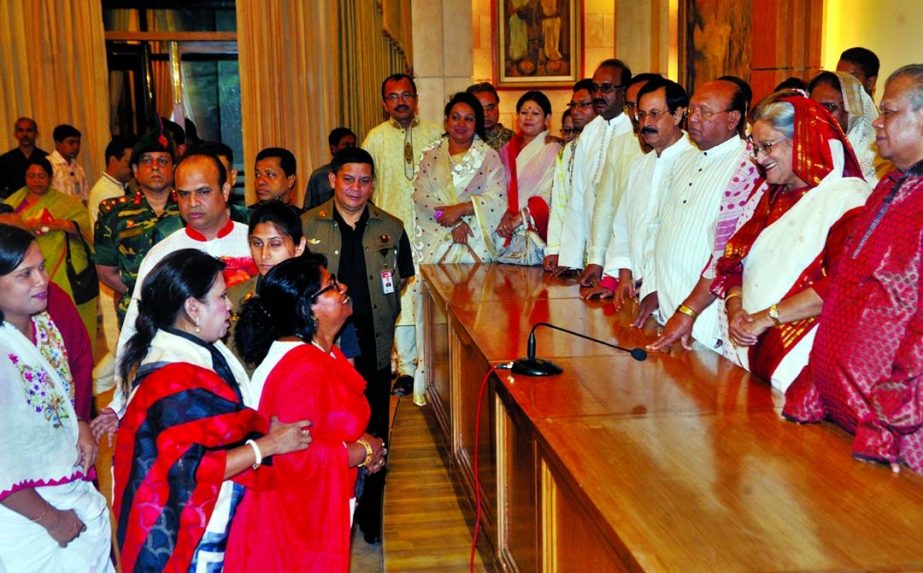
(532, 366)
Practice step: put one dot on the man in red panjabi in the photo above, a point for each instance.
(867, 360)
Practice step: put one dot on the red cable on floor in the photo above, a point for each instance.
(477, 475)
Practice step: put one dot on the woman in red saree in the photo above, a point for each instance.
(300, 520)
(773, 276)
(187, 429)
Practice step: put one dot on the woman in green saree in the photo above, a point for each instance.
(53, 216)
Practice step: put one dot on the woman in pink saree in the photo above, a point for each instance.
(529, 159)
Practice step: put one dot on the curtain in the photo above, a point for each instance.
(396, 24)
(53, 57)
(367, 56)
(288, 80)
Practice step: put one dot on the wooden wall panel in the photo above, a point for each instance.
(762, 41)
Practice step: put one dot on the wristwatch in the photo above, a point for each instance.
(773, 314)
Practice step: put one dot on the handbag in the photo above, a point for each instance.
(526, 248)
(85, 284)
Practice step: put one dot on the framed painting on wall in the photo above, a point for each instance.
(538, 43)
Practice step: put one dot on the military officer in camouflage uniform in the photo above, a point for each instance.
(129, 226)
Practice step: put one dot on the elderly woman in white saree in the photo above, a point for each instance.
(853, 109)
(529, 159)
(459, 191)
(51, 516)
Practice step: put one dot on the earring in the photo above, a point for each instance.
(196, 319)
(314, 319)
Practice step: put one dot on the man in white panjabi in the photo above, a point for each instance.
(590, 156)
(396, 146)
(692, 216)
(582, 112)
(661, 108)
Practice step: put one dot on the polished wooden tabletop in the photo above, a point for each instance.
(684, 457)
(739, 491)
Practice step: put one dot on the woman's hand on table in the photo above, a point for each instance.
(679, 327)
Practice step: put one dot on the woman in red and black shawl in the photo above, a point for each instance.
(188, 427)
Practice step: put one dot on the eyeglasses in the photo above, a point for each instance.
(571, 130)
(334, 284)
(605, 88)
(652, 115)
(580, 104)
(694, 110)
(831, 106)
(766, 148)
(405, 95)
(630, 107)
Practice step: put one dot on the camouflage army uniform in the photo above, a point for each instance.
(499, 136)
(126, 230)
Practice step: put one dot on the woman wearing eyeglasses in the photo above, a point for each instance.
(776, 267)
(187, 430)
(568, 131)
(853, 109)
(301, 519)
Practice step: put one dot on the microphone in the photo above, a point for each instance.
(532, 366)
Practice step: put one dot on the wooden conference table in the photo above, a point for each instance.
(678, 463)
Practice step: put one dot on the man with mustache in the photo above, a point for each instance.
(128, 226)
(396, 146)
(346, 229)
(661, 108)
(275, 175)
(607, 139)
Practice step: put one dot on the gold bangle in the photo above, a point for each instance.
(687, 311)
(368, 452)
(734, 294)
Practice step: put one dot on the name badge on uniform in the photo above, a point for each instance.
(387, 282)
